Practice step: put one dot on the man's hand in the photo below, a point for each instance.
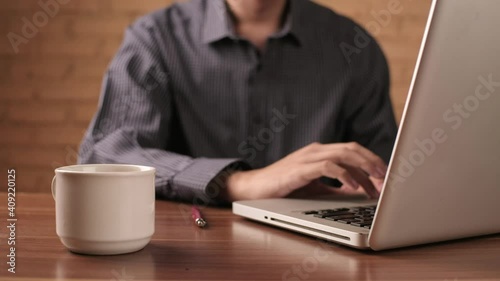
(298, 173)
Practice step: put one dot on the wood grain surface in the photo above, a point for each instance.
(231, 248)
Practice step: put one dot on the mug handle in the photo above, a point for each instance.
(53, 188)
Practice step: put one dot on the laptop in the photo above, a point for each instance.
(443, 181)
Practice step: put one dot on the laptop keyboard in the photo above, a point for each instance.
(356, 216)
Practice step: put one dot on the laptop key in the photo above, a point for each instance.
(357, 216)
(366, 218)
(333, 210)
(339, 218)
(333, 214)
(347, 221)
(345, 217)
(361, 224)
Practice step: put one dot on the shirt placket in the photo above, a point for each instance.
(257, 104)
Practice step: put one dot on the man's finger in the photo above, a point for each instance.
(364, 181)
(351, 154)
(351, 158)
(313, 171)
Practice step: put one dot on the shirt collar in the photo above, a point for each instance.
(218, 24)
(297, 19)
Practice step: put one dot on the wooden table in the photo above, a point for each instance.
(231, 248)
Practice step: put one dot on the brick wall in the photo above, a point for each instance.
(49, 89)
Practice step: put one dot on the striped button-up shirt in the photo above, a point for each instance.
(188, 96)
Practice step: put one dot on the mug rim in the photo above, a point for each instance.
(143, 170)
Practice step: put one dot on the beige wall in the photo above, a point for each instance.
(49, 90)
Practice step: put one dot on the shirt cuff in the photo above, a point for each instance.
(191, 183)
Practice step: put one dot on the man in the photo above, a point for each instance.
(263, 97)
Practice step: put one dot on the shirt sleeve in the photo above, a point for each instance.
(134, 122)
(369, 113)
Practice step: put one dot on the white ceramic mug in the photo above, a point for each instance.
(104, 209)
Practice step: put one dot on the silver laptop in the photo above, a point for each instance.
(444, 175)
